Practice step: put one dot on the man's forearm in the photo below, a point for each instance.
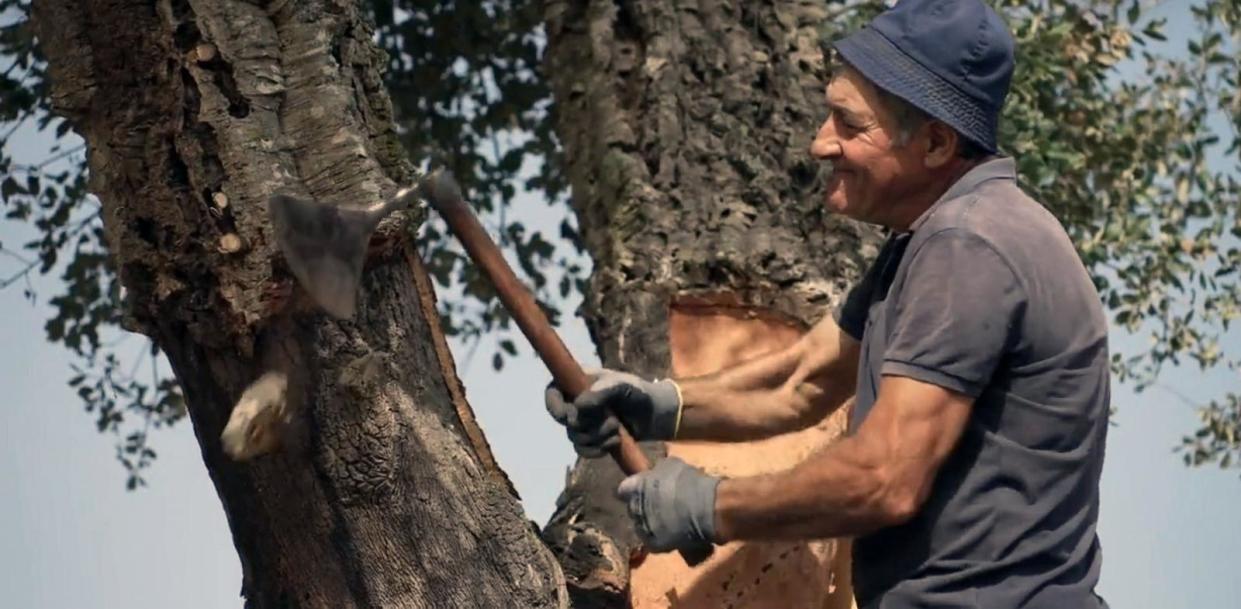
(768, 395)
(878, 477)
(837, 492)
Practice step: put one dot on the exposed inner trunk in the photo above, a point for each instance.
(705, 338)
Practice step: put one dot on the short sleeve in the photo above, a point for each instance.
(958, 312)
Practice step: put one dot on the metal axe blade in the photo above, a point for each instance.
(325, 245)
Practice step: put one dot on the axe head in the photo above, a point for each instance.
(325, 246)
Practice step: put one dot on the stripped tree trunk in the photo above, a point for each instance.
(194, 112)
(686, 128)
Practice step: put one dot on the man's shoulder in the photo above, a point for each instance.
(999, 213)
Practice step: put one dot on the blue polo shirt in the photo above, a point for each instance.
(985, 295)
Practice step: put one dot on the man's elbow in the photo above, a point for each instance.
(899, 501)
(897, 510)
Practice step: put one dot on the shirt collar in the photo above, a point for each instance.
(998, 168)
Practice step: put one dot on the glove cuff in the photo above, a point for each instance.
(702, 517)
(666, 409)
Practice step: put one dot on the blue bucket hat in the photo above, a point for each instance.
(953, 59)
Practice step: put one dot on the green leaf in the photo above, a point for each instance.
(9, 187)
(508, 346)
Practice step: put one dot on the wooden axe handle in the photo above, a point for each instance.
(566, 372)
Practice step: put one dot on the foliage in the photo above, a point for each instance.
(1134, 148)
(465, 80)
(1143, 171)
(48, 197)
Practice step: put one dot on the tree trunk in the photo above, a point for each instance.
(195, 112)
(686, 128)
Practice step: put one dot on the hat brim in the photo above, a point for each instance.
(890, 69)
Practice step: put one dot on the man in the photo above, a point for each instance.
(975, 346)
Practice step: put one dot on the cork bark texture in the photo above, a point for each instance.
(194, 113)
(686, 127)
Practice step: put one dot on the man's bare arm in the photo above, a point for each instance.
(877, 478)
(781, 391)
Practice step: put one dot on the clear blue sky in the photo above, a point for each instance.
(71, 537)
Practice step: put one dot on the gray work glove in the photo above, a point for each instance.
(649, 409)
(672, 505)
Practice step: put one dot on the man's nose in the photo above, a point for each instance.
(826, 145)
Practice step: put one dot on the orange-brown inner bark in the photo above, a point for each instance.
(744, 575)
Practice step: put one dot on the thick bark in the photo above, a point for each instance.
(196, 111)
(685, 127)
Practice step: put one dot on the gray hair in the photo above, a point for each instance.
(910, 118)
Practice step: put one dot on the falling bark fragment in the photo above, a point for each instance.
(230, 244)
(254, 426)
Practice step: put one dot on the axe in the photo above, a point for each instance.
(325, 246)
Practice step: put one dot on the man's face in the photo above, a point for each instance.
(872, 174)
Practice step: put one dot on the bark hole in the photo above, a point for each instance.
(179, 172)
(145, 229)
(186, 35)
(222, 75)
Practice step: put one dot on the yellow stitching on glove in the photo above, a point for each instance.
(676, 429)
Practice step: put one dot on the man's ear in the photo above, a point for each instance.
(941, 146)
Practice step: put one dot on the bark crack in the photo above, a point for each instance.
(465, 414)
